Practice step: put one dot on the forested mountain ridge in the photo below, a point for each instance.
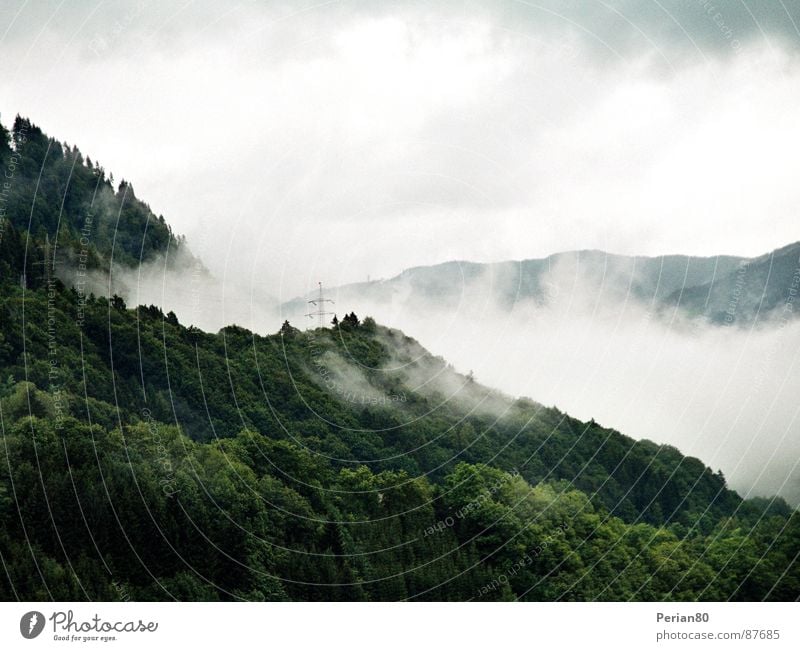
(157, 461)
(354, 394)
(56, 195)
(756, 290)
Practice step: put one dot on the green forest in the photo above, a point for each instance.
(145, 459)
(50, 190)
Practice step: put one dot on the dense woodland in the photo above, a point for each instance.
(145, 459)
(49, 190)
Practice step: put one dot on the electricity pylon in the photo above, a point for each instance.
(319, 303)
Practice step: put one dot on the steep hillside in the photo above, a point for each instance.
(153, 460)
(364, 395)
(52, 193)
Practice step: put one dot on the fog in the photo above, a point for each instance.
(180, 282)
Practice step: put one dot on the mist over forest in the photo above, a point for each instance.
(489, 301)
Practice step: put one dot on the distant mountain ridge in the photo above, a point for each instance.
(756, 289)
(720, 288)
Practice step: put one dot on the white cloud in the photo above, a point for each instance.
(411, 137)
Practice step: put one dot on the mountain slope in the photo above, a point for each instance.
(334, 464)
(365, 396)
(51, 192)
(755, 290)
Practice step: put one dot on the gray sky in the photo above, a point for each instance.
(337, 140)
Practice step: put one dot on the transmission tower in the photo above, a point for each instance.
(319, 303)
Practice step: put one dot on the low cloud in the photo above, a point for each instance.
(428, 132)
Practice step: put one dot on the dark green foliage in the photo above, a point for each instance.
(288, 471)
(50, 189)
(350, 321)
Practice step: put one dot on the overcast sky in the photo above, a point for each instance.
(337, 140)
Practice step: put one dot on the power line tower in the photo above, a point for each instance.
(319, 303)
